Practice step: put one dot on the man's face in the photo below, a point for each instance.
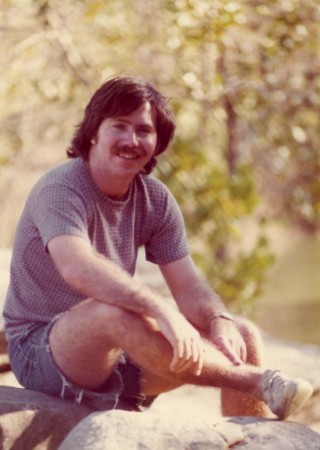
(123, 145)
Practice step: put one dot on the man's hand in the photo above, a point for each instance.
(184, 339)
(227, 338)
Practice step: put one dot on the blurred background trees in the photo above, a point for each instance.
(244, 82)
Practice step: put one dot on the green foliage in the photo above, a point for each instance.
(231, 249)
(244, 79)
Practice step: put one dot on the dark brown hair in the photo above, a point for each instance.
(121, 96)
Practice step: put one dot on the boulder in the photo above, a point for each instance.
(118, 430)
(186, 418)
(32, 420)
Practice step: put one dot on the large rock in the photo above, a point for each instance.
(32, 420)
(186, 418)
(118, 430)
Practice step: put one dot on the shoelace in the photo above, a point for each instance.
(271, 378)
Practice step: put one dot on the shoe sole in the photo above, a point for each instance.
(300, 392)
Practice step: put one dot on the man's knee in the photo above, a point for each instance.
(89, 325)
(91, 309)
(252, 337)
(92, 318)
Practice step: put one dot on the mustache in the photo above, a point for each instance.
(127, 147)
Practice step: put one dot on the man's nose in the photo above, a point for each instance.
(131, 138)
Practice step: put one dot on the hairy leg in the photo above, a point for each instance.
(85, 343)
(236, 403)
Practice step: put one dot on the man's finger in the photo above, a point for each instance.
(187, 356)
(184, 366)
(177, 355)
(229, 352)
(199, 367)
(195, 361)
(243, 353)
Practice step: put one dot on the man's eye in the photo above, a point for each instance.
(119, 126)
(144, 131)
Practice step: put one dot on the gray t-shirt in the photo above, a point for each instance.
(65, 201)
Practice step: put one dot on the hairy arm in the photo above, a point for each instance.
(97, 277)
(195, 299)
(200, 305)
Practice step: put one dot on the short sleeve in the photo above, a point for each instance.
(168, 242)
(59, 210)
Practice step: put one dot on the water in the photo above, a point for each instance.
(297, 323)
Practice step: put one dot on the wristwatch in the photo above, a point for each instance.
(223, 315)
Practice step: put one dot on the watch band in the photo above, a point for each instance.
(223, 315)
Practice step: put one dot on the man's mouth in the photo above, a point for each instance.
(128, 155)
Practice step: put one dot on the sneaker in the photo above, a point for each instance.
(284, 395)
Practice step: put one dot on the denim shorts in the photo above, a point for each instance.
(34, 367)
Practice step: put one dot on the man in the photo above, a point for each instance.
(78, 325)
